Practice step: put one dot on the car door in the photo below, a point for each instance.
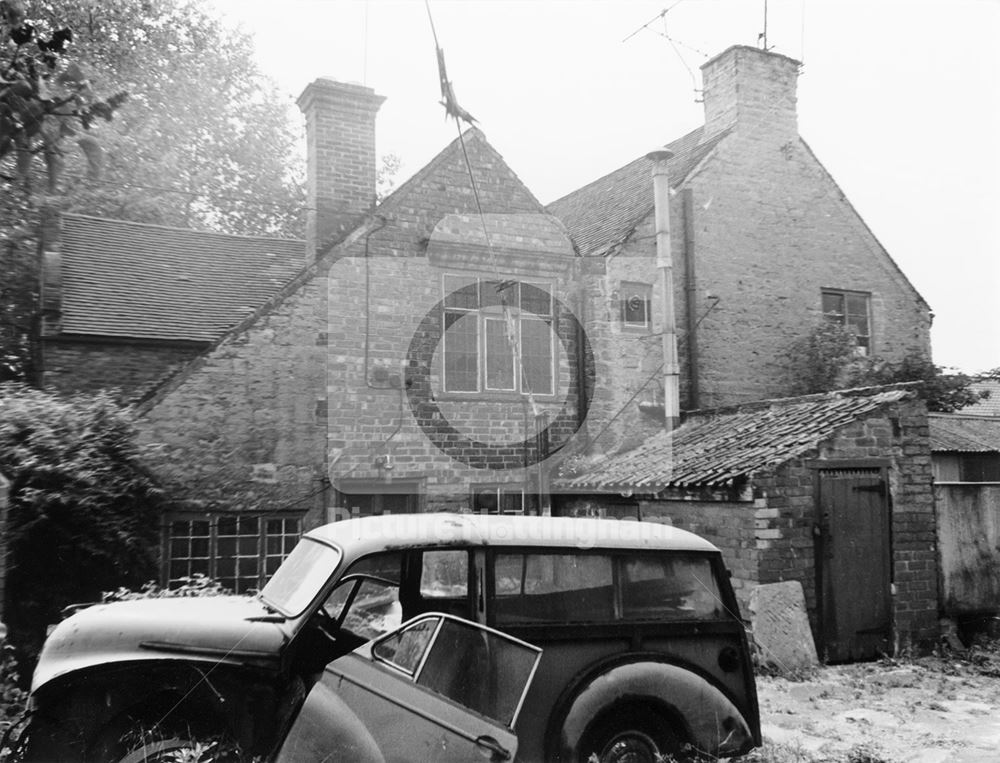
(438, 688)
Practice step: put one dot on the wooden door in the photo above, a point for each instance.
(854, 564)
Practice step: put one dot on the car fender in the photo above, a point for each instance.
(327, 729)
(711, 721)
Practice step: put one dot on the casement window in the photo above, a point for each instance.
(479, 356)
(850, 309)
(635, 300)
(503, 499)
(239, 551)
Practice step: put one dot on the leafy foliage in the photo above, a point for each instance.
(83, 517)
(13, 698)
(204, 140)
(825, 360)
(195, 585)
(45, 95)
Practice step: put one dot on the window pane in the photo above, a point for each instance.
(536, 300)
(635, 299)
(556, 588)
(444, 574)
(512, 503)
(406, 648)
(669, 588)
(480, 670)
(499, 356)
(461, 352)
(485, 499)
(833, 304)
(460, 294)
(536, 351)
(490, 291)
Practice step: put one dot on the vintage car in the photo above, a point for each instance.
(644, 653)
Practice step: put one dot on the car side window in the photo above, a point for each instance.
(366, 600)
(480, 669)
(557, 587)
(444, 582)
(669, 587)
(553, 587)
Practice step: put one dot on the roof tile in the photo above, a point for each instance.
(714, 449)
(963, 433)
(133, 280)
(603, 213)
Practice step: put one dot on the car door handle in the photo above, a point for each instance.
(496, 750)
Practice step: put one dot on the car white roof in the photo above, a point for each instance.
(357, 537)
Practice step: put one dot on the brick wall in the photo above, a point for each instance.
(128, 367)
(732, 526)
(340, 156)
(771, 539)
(769, 229)
(293, 398)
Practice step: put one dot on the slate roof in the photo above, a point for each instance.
(962, 433)
(603, 213)
(989, 406)
(715, 450)
(137, 281)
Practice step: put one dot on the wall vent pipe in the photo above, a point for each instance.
(665, 266)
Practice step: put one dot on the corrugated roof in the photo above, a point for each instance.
(132, 280)
(714, 450)
(963, 433)
(603, 213)
(988, 406)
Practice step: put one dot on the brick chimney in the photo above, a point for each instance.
(751, 90)
(340, 153)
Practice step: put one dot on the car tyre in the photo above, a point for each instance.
(631, 735)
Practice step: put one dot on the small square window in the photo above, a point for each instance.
(852, 310)
(635, 300)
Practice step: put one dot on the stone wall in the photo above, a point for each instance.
(733, 526)
(771, 539)
(124, 366)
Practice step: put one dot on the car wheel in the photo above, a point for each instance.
(631, 735)
(180, 749)
(165, 751)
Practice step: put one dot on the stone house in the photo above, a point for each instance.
(833, 491)
(453, 346)
(124, 303)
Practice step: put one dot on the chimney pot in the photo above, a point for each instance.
(751, 90)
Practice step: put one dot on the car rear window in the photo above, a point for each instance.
(586, 587)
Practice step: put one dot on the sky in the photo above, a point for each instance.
(899, 99)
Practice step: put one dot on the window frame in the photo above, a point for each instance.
(863, 342)
(488, 313)
(646, 293)
(501, 490)
(264, 558)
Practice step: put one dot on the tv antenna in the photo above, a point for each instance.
(762, 37)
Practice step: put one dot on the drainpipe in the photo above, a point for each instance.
(665, 265)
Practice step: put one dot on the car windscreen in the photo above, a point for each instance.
(300, 577)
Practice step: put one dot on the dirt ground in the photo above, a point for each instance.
(936, 709)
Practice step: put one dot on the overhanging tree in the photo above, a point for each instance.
(203, 141)
(83, 516)
(826, 359)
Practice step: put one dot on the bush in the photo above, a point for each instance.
(83, 516)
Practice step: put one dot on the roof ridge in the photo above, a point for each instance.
(454, 146)
(179, 229)
(848, 392)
